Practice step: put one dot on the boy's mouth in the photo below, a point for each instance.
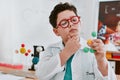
(73, 30)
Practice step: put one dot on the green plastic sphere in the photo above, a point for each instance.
(92, 51)
(94, 34)
(86, 49)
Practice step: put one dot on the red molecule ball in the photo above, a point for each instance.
(28, 50)
(26, 54)
(22, 45)
(16, 51)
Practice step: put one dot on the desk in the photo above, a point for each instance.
(8, 70)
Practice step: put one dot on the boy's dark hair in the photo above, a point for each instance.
(59, 8)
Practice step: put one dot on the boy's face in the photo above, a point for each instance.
(118, 27)
(67, 28)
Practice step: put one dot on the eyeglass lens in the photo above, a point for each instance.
(65, 22)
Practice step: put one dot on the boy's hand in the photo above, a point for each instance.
(72, 45)
(100, 54)
(98, 46)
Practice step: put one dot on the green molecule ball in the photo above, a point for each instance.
(94, 34)
(92, 51)
(86, 49)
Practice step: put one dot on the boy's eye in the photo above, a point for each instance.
(74, 20)
(63, 23)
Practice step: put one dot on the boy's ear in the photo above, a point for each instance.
(56, 31)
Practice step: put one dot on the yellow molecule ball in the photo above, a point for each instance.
(22, 50)
(89, 41)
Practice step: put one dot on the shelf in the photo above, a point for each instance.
(109, 56)
(112, 52)
(113, 59)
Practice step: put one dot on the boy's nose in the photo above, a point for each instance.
(70, 24)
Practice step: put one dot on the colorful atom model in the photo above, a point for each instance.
(23, 50)
(89, 41)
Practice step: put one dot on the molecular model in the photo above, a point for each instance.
(35, 55)
(23, 50)
(35, 60)
(89, 41)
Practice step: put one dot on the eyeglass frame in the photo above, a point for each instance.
(68, 21)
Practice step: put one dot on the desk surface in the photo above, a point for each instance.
(9, 70)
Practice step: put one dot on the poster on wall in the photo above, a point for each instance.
(109, 24)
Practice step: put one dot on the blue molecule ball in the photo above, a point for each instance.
(35, 60)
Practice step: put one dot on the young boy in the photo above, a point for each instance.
(66, 59)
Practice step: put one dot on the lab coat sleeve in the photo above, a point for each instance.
(99, 76)
(48, 66)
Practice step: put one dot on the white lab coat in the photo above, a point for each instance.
(84, 65)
